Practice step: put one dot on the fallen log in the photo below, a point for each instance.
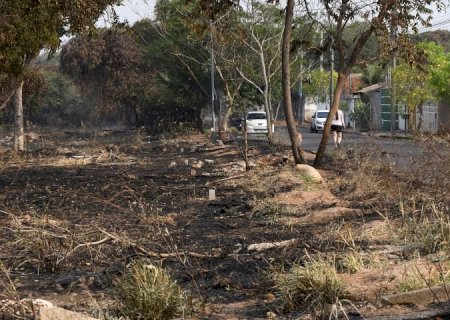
(270, 245)
(433, 312)
(420, 297)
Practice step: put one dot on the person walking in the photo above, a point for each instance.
(337, 126)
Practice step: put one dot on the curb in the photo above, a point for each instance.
(399, 136)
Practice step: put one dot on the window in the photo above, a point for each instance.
(256, 116)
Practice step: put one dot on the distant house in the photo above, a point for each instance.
(372, 95)
(430, 117)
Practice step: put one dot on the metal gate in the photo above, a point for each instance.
(429, 118)
(386, 105)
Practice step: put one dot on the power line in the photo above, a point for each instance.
(434, 26)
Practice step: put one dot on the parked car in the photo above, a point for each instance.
(237, 122)
(256, 122)
(318, 120)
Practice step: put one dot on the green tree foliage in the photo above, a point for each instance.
(439, 69)
(50, 98)
(57, 102)
(417, 84)
(441, 37)
(27, 26)
(179, 60)
(318, 84)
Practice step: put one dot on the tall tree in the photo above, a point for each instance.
(107, 66)
(27, 26)
(262, 28)
(286, 82)
(180, 57)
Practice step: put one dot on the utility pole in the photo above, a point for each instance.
(300, 93)
(331, 75)
(213, 90)
(393, 94)
(321, 52)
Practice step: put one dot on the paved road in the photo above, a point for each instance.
(404, 153)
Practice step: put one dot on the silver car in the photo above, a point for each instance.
(256, 122)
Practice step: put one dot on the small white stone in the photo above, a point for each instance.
(172, 164)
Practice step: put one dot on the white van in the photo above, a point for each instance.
(318, 120)
(256, 122)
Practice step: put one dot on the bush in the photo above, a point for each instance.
(314, 287)
(149, 292)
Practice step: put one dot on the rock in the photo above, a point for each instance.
(241, 164)
(172, 164)
(48, 311)
(270, 297)
(198, 164)
(56, 313)
(42, 303)
(309, 172)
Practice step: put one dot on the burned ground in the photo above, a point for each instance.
(77, 210)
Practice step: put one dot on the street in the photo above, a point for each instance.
(403, 153)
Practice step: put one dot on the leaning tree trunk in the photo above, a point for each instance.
(294, 135)
(342, 79)
(19, 133)
(225, 116)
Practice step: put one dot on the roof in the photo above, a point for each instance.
(371, 88)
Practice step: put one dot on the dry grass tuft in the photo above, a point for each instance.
(314, 286)
(415, 278)
(427, 224)
(149, 292)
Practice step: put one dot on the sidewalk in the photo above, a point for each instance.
(382, 134)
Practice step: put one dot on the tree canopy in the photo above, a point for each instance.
(28, 26)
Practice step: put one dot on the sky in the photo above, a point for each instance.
(134, 10)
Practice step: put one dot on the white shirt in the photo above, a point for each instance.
(340, 119)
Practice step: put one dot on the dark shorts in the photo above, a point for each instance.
(336, 128)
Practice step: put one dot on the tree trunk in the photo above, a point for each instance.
(419, 121)
(270, 118)
(223, 123)
(294, 135)
(342, 79)
(19, 133)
